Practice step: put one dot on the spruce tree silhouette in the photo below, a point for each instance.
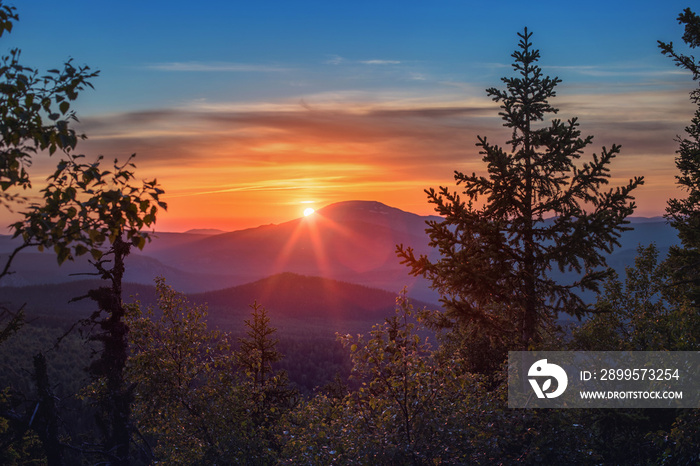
(541, 210)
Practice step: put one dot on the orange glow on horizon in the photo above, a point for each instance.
(235, 169)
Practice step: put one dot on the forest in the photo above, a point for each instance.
(126, 382)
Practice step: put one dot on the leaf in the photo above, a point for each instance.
(94, 235)
(139, 241)
(546, 385)
(62, 254)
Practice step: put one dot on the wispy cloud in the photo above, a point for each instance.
(288, 184)
(338, 60)
(604, 71)
(380, 62)
(384, 146)
(334, 60)
(417, 77)
(216, 67)
(617, 70)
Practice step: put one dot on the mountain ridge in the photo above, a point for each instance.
(351, 241)
(287, 297)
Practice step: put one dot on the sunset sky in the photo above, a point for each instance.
(250, 112)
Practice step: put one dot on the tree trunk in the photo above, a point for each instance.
(111, 364)
(46, 424)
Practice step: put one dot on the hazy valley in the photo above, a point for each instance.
(333, 268)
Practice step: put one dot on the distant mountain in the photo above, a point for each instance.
(657, 219)
(291, 300)
(350, 241)
(204, 231)
(307, 300)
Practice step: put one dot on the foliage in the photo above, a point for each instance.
(85, 207)
(643, 314)
(182, 373)
(680, 441)
(65, 364)
(34, 116)
(268, 390)
(419, 405)
(684, 214)
(257, 352)
(17, 446)
(399, 385)
(312, 359)
(397, 413)
(35, 112)
(113, 215)
(679, 444)
(189, 396)
(541, 211)
(11, 322)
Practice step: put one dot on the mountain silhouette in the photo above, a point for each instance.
(291, 300)
(308, 300)
(352, 241)
(349, 241)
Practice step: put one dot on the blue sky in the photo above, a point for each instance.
(223, 71)
(248, 51)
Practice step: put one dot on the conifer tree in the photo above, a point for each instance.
(259, 351)
(541, 210)
(268, 388)
(684, 214)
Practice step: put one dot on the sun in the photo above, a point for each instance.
(308, 211)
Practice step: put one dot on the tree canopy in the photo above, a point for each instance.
(537, 209)
(684, 213)
(83, 208)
